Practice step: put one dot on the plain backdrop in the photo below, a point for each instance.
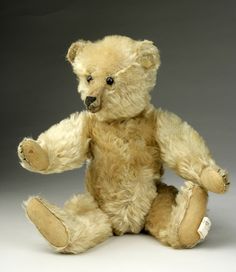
(196, 80)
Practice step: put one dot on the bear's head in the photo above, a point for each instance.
(115, 75)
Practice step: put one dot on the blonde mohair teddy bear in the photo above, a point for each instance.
(125, 142)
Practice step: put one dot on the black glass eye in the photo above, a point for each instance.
(109, 80)
(89, 78)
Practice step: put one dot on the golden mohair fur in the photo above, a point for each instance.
(125, 142)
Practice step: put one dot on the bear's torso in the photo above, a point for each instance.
(123, 169)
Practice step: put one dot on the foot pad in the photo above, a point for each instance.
(49, 225)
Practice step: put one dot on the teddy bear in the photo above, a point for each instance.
(126, 142)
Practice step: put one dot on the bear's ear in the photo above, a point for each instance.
(75, 49)
(148, 55)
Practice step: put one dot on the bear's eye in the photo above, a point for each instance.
(89, 78)
(109, 80)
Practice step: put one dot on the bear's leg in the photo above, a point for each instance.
(74, 229)
(177, 218)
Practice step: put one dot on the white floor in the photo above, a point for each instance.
(23, 249)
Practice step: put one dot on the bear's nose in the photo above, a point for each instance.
(89, 100)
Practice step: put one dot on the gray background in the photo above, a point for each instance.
(196, 80)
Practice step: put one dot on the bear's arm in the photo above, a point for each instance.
(64, 146)
(185, 151)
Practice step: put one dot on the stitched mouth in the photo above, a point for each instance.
(93, 108)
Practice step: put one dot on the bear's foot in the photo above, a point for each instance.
(178, 219)
(188, 232)
(77, 227)
(47, 222)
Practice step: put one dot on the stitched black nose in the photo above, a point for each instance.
(89, 100)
